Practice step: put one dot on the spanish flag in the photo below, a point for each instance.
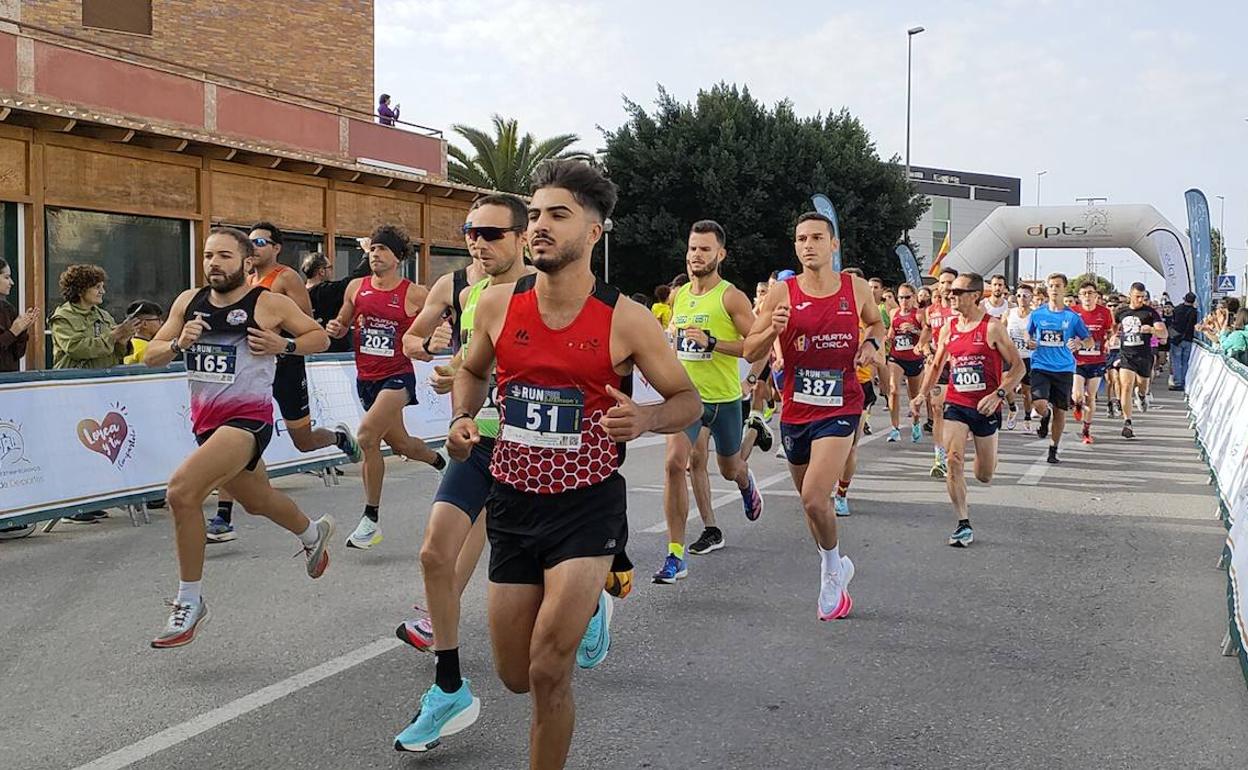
(940, 256)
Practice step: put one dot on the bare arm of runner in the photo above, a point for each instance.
(772, 319)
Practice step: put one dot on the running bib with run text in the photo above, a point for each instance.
(688, 349)
(211, 363)
(819, 387)
(1051, 338)
(967, 378)
(377, 341)
(548, 418)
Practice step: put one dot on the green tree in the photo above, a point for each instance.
(753, 169)
(1218, 250)
(504, 160)
(1102, 284)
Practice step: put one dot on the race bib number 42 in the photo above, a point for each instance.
(547, 418)
(377, 341)
(211, 363)
(819, 387)
(688, 349)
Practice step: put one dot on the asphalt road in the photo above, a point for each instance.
(1081, 630)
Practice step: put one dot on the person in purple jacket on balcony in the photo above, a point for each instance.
(386, 115)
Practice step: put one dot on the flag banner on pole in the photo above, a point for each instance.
(940, 257)
(909, 266)
(1202, 248)
(1173, 262)
(824, 206)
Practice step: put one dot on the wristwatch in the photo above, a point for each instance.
(711, 342)
(874, 341)
(1001, 393)
(290, 347)
(457, 418)
(175, 349)
(752, 378)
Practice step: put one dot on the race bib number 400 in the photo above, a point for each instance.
(211, 363)
(1051, 338)
(548, 418)
(967, 378)
(377, 341)
(819, 387)
(688, 349)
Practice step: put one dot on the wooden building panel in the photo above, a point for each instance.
(82, 178)
(359, 214)
(446, 223)
(13, 169)
(237, 198)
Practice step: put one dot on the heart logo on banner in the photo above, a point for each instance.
(107, 437)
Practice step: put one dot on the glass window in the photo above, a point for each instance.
(940, 208)
(443, 260)
(133, 16)
(8, 250)
(347, 255)
(296, 246)
(145, 257)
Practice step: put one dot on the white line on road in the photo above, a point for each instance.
(237, 708)
(722, 499)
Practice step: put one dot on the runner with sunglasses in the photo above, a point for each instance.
(380, 306)
(290, 379)
(905, 329)
(1091, 362)
(1016, 322)
(1113, 352)
(978, 350)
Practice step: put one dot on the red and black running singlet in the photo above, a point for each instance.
(1099, 321)
(974, 364)
(380, 320)
(906, 330)
(552, 392)
(819, 346)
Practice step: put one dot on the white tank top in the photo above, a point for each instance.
(992, 310)
(1016, 326)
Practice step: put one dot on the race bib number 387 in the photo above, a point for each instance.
(819, 387)
(211, 363)
(548, 418)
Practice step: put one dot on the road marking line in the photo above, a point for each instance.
(172, 736)
(722, 499)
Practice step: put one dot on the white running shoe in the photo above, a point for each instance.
(834, 600)
(366, 535)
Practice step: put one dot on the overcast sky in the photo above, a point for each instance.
(1137, 101)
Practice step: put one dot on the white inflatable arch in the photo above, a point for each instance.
(1138, 227)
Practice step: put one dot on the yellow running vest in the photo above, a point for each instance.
(714, 374)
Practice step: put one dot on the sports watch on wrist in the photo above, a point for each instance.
(1001, 393)
(290, 347)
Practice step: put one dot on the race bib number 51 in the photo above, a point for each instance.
(547, 418)
(819, 387)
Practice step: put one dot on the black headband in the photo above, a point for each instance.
(393, 242)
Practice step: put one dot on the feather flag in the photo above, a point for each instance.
(940, 256)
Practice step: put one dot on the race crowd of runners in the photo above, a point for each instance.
(540, 385)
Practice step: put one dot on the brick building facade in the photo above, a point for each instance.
(321, 49)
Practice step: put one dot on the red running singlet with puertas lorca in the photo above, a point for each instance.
(380, 320)
(552, 391)
(974, 364)
(819, 347)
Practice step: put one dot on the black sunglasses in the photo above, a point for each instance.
(488, 233)
(905, 296)
(260, 243)
(960, 292)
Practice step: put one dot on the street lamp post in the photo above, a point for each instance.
(1221, 235)
(910, 33)
(607, 227)
(1035, 256)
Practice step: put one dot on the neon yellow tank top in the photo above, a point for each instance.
(714, 374)
(486, 419)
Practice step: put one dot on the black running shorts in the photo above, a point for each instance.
(290, 389)
(262, 431)
(1053, 387)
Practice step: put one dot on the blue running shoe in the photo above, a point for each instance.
(752, 499)
(219, 530)
(440, 715)
(894, 435)
(596, 642)
(841, 504)
(673, 569)
(916, 433)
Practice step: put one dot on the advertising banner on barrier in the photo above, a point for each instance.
(74, 442)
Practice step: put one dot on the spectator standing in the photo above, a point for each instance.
(661, 308)
(1183, 327)
(327, 296)
(148, 318)
(386, 115)
(14, 326)
(1234, 339)
(84, 334)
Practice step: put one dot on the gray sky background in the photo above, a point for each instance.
(1137, 101)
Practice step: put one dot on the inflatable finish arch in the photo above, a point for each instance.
(1138, 227)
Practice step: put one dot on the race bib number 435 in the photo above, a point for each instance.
(548, 418)
(819, 387)
(211, 363)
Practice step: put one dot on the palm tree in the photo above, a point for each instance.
(506, 160)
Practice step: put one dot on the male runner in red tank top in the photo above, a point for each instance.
(939, 314)
(816, 316)
(977, 351)
(290, 379)
(565, 347)
(382, 306)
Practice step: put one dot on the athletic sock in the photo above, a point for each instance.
(842, 487)
(964, 523)
(310, 535)
(831, 558)
(371, 512)
(439, 462)
(188, 592)
(342, 441)
(446, 670)
(676, 549)
(225, 510)
(756, 414)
